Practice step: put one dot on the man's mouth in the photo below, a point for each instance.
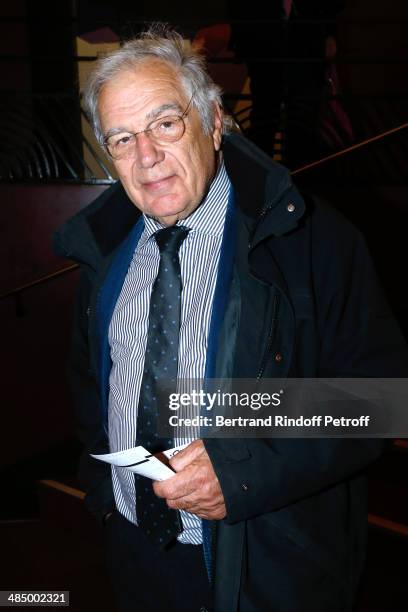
(158, 184)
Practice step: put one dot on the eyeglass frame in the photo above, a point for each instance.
(148, 129)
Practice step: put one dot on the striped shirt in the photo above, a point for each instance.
(199, 258)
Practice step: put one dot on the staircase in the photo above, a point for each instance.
(61, 549)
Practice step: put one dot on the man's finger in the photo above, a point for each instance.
(177, 486)
(180, 460)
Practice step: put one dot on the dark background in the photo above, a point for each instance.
(48, 540)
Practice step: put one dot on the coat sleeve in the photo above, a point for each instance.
(94, 476)
(358, 337)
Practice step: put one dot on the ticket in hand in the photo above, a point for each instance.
(140, 461)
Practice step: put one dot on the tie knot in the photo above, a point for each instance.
(170, 239)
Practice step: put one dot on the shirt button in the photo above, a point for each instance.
(290, 207)
(244, 486)
(278, 357)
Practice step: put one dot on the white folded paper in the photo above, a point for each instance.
(140, 461)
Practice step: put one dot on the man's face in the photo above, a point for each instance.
(166, 181)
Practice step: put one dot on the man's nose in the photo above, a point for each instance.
(147, 153)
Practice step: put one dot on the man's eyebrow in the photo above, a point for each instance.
(114, 131)
(173, 106)
(162, 109)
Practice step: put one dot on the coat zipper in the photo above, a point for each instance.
(271, 337)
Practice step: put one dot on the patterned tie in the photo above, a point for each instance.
(160, 523)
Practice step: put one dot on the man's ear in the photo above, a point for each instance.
(217, 130)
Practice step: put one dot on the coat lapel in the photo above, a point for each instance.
(106, 302)
(222, 287)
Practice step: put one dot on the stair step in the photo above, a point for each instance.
(62, 551)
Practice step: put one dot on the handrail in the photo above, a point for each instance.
(363, 143)
(359, 145)
(38, 281)
(399, 529)
(401, 445)
(62, 488)
(379, 522)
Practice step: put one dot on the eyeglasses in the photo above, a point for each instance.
(160, 131)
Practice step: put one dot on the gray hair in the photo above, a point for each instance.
(165, 44)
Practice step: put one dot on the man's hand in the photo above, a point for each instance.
(195, 487)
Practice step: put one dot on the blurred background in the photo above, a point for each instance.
(321, 86)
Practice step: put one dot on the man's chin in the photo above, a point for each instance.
(167, 221)
(169, 212)
(165, 215)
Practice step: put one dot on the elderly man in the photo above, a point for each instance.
(204, 261)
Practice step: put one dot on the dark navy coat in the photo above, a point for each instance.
(299, 298)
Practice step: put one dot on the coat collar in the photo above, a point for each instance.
(264, 192)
